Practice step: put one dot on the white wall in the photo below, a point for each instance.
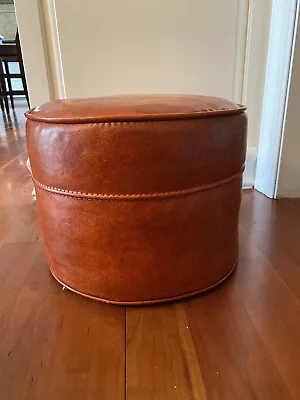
(289, 167)
(99, 47)
(134, 46)
(255, 65)
(169, 46)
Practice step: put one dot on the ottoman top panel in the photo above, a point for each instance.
(132, 108)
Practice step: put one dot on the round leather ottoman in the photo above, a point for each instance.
(138, 196)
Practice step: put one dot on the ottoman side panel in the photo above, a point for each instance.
(137, 157)
(142, 250)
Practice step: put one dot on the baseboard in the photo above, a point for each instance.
(250, 167)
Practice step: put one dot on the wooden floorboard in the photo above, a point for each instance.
(240, 341)
(274, 228)
(161, 361)
(53, 344)
(234, 360)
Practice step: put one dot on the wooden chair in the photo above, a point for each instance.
(10, 51)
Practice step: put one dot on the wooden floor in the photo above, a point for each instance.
(241, 341)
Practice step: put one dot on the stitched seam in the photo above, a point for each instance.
(107, 196)
(171, 117)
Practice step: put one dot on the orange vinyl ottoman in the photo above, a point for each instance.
(138, 196)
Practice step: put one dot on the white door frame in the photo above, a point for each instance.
(280, 55)
(41, 50)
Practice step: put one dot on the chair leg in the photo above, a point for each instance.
(6, 66)
(3, 87)
(6, 104)
(27, 98)
(1, 105)
(21, 66)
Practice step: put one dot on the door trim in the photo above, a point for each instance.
(31, 31)
(52, 43)
(280, 55)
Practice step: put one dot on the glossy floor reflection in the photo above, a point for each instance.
(240, 341)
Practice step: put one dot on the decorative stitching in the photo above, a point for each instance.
(134, 196)
(138, 118)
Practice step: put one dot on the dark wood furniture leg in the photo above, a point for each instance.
(7, 72)
(3, 87)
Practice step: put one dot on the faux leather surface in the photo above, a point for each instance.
(136, 157)
(133, 108)
(139, 211)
